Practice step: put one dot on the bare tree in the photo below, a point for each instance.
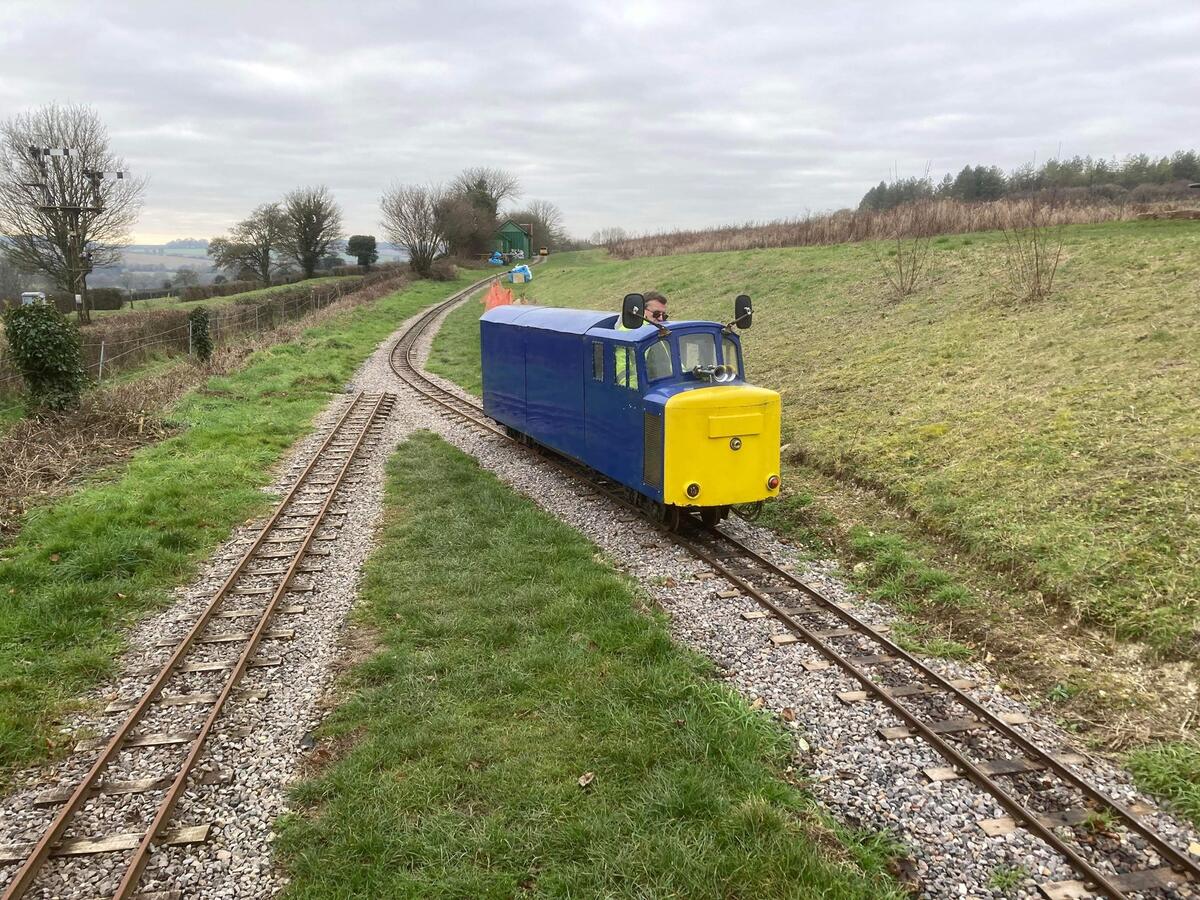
(253, 243)
(64, 214)
(486, 188)
(411, 220)
(314, 221)
(466, 228)
(11, 282)
(547, 222)
(1033, 242)
(905, 263)
(606, 237)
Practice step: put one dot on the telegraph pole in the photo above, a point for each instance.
(78, 258)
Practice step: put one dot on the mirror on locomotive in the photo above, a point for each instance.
(743, 312)
(633, 311)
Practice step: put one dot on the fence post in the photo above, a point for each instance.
(100, 377)
(189, 337)
(256, 317)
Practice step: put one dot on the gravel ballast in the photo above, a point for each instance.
(260, 743)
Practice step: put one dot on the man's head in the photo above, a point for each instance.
(656, 306)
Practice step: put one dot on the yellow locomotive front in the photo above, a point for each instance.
(721, 446)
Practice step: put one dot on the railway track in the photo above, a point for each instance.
(162, 734)
(1040, 791)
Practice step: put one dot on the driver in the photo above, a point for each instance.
(656, 311)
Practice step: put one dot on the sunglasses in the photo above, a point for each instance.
(658, 316)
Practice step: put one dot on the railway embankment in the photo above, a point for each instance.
(1014, 480)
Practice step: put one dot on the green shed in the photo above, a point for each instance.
(511, 237)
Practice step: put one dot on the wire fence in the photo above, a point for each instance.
(122, 343)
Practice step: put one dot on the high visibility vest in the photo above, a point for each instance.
(626, 360)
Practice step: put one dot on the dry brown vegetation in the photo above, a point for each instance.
(41, 457)
(845, 226)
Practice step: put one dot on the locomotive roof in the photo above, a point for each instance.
(551, 318)
(574, 321)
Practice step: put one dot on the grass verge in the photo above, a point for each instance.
(513, 663)
(1171, 770)
(83, 568)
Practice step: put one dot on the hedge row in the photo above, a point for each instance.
(128, 340)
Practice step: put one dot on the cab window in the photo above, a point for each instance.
(626, 371)
(597, 361)
(729, 353)
(697, 350)
(658, 361)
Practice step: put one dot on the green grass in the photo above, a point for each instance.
(1008, 878)
(1058, 441)
(1171, 770)
(513, 662)
(455, 353)
(83, 568)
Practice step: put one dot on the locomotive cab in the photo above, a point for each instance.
(710, 439)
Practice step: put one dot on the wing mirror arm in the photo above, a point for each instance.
(743, 314)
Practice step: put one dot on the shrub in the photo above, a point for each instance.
(106, 298)
(442, 270)
(44, 346)
(201, 339)
(1033, 243)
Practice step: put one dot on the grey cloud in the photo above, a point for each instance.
(647, 115)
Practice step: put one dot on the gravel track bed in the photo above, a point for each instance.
(258, 746)
(862, 779)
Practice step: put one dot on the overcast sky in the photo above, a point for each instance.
(643, 115)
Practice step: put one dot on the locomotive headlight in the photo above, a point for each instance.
(735, 443)
(773, 483)
(693, 490)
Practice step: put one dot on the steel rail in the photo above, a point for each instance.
(141, 856)
(1020, 812)
(1022, 815)
(1176, 859)
(27, 874)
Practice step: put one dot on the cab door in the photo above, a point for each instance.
(614, 411)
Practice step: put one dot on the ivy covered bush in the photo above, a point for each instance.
(202, 344)
(44, 346)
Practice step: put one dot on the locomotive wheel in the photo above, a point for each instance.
(670, 516)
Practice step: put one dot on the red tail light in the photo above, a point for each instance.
(773, 483)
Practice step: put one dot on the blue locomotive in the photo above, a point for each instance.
(664, 410)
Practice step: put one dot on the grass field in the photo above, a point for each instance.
(83, 568)
(512, 662)
(1057, 442)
